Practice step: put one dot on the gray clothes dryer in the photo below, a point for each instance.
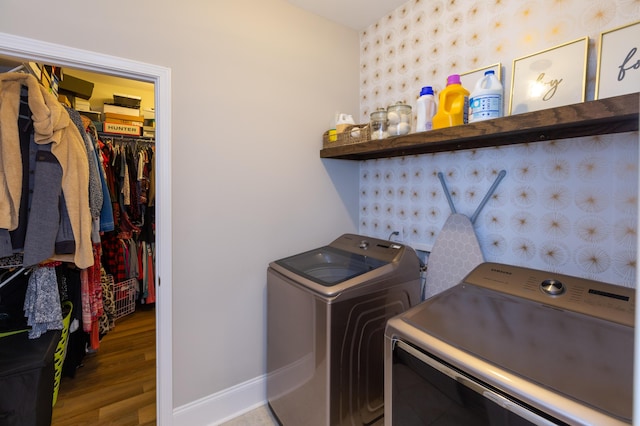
(326, 313)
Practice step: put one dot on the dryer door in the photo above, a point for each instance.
(427, 391)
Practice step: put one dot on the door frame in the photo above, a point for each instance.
(50, 53)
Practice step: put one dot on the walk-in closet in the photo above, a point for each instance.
(78, 281)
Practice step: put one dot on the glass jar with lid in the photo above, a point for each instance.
(399, 119)
(378, 124)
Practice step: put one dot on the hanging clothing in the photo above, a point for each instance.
(107, 320)
(128, 175)
(95, 186)
(78, 340)
(47, 212)
(106, 222)
(42, 302)
(114, 258)
(147, 278)
(28, 149)
(51, 125)
(92, 307)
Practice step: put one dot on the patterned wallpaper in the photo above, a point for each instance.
(568, 205)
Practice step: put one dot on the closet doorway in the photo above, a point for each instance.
(24, 49)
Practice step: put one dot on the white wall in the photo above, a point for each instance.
(255, 84)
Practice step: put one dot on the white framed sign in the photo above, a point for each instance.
(550, 78)
(470, 78)
(618, 61)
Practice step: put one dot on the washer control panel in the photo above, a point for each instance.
(388, 251)
(595, 298)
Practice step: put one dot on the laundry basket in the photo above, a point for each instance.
(61, 349)
(124, 294)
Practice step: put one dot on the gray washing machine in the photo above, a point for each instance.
(326, 314)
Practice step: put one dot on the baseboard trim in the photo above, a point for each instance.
(224, 405)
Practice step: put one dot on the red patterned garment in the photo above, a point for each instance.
(92, 306)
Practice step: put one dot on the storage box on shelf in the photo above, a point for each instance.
(121, 129)
(93, 115)
(353, 133)
(80, 104)
(112, 117)
(611, 115)
(76, 86)
(128, 101)
(117, 109)
(148, 132)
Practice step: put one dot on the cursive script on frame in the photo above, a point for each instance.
(551, 84)
(625, 64)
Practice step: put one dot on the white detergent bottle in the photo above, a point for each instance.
(425, 109)
(486, 101)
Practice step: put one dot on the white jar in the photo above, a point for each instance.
(399, 118)
(378, 124)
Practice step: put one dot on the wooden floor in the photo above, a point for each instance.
(117, 384)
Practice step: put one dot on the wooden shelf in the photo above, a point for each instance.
(612, 115)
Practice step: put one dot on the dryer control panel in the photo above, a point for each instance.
(595, 298)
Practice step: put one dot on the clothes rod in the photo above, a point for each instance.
(125, 138)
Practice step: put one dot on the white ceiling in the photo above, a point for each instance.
(356, 14)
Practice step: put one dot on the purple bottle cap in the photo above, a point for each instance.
(453, 79)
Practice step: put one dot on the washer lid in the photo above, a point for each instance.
(585, 358)
(329, 266)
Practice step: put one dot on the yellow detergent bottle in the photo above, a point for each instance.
(453, 106)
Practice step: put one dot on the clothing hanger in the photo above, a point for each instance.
(14, 275)
(19, 68)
